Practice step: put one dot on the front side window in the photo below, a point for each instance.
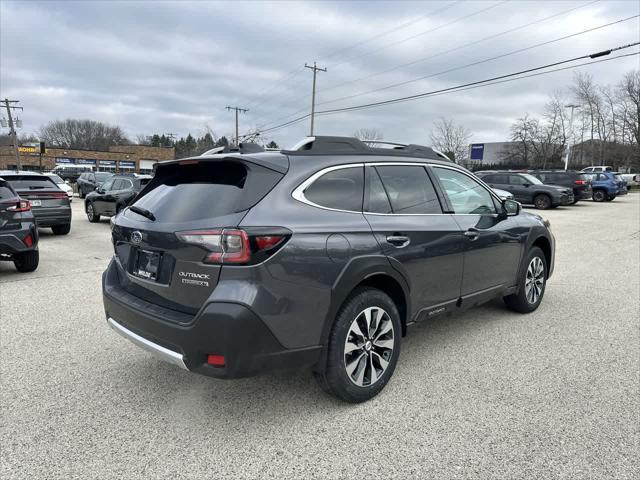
(107, 185)
(409, 189)
(339, 189)
(465, 194)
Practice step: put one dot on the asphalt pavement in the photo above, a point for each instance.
(486, 394)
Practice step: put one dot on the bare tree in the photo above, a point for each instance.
(451, 139)
(142, 139)
(629, 105)
(368, 134)
(84, 134)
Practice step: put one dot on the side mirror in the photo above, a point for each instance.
(99, 190)
(67, 182)
(511, 207)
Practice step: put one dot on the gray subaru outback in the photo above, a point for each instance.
(320, 256)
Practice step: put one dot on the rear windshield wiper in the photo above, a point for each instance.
(144, 212)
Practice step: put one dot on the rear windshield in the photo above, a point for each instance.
(56, 179)
(102, 176)
(182, 193)
(29, 182)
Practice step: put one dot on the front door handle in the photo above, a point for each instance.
(398, 241)
(472, 234)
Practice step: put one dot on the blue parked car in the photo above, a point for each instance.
(606, 186)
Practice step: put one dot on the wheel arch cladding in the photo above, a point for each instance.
(543, 244)
(391, 287)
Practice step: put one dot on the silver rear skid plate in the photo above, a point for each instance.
(158, 350)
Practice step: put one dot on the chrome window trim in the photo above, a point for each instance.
(298, 192)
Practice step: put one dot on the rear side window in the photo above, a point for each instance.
(182, 193)
(409, 189)
(5, 191)
(28, 182)
(376, 199)
(339, 189)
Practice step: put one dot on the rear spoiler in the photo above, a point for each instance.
(248, 147)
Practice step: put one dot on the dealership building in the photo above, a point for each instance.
(119, 158)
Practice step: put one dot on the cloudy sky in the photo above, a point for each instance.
(172, 66)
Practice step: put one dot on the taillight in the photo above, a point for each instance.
(233, 246)
(580, 182)
(20, 206)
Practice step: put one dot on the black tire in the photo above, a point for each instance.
(599, 196)
(522, 301)
(542, 201)
(91, 214)
(26, 261)
(61, 229)
(368, 359)
(80, 194)
(575, 200)
(610, 198)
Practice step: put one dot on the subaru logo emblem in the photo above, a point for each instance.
(136, 237)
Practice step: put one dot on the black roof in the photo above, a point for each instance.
(326, 145)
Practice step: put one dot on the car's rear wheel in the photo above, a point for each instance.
(363, 346)
(80, 194)
(61, 229)
(26, 261)
(531, 285)
(542, 201)
(599, 195)
(91, 213)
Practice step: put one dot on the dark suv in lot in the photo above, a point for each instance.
(528, 189)
(18, 231)
(88, 181)
(320, 256)
(579, 182)
(49, 204)
(113, 195)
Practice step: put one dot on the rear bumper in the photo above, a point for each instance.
(582, 194)
(227, 329)
(50, 217)
(12, 241)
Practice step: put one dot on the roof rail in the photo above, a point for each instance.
(325, 145)
(248, 147)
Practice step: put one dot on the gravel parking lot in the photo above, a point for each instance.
(485, 394)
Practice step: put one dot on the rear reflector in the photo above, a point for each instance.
(215, 360)
(28, 240)
(268, 241)
(580, 182)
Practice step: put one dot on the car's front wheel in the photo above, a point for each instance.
(92, 216)
(531, 284)
(363, 347)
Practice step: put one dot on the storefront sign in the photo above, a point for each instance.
(107, 163)
(31, 150)
(477, 151)
(65, 161)
(127, 164)
(86, 161)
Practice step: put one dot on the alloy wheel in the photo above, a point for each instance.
(534, 281)
(90, 212)
(368, 348)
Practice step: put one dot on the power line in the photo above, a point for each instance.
(490, 81)
(513, 52)
(405, 39)
(464, 17)
(490, 37)
(411, 97)
(294, 73)
(459, 47)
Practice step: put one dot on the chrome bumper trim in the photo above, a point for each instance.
(158, 350)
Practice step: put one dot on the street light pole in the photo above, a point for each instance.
(12, 130)
(315, 69)
(566, 158)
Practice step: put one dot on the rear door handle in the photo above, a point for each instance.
(398, 241)
(472, 234)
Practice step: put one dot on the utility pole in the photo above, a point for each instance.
(315, 69)
(12, 131)
(237, 109)
(566, 158)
